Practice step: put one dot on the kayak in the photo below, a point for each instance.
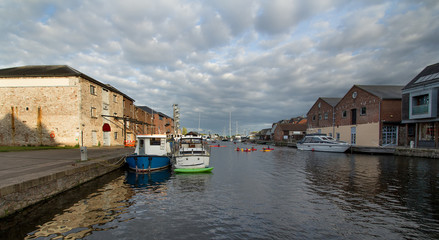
(193, 170)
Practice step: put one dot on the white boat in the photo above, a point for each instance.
(191, 152)
(322, 143)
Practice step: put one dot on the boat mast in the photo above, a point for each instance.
(199, 122)
(230, 124)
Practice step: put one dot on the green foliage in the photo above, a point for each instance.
(184, 131)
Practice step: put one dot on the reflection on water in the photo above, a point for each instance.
(282, 194)
(145, 180)
(192, 182)
(89, 214)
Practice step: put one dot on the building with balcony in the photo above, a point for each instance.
(420, 108)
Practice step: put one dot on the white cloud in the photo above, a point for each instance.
(262, 60)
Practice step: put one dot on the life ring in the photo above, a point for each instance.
(52, 134)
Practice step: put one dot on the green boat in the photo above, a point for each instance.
(193, 170)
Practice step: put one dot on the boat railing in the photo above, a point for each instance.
(191, 148)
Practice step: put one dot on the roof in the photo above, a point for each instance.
(52, 71)
(146, 109)
(331, 101)
(428, 75)
(383, 91)
(292, 127)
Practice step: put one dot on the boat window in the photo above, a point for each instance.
(141, 142)
(307, 140)
(155, 141)
(316, 140)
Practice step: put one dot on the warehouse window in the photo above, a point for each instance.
(92, 90)
(93, 112)
(363, 111)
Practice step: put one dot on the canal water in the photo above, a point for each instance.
(282, 194)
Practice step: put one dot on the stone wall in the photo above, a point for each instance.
(58, 111)
(16, 197)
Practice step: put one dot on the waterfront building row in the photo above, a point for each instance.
(58, 105)
(382, 115)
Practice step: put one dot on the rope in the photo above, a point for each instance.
(118, 163)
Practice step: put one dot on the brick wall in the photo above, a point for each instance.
(362, 99)
(320, 115)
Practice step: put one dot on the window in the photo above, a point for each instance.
(420, 104)
(326, 116)
(93, 112)
(115, 98)
(343, 114)
(115, 135)
(92, 90)
(314, 117)
(363, 111)
(320, 116)
(338, 136)
(390, 135)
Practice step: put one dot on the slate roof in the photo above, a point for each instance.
(383, 91)
(52, 71)
(150, 110)
(429, 70)
(331, 101)
(146, 109)
(292, 127)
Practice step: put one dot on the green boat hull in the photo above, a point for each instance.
(193, 170)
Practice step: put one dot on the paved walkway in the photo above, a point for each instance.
(18, 167)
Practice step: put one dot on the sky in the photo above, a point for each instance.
(254, 62)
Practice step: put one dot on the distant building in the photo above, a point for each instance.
(420, 108)
(321, 116)
(288, 132)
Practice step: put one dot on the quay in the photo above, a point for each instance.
(28, 177)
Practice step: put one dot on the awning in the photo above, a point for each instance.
(106, 127)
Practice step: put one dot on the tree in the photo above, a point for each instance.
(184, 131)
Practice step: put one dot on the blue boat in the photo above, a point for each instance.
(152, 153)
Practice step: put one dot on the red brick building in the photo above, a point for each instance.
(322, 116)
(365, 116)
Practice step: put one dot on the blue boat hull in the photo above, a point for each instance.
(143, 163)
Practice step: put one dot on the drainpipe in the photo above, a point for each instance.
(333, 122)
(379, 125)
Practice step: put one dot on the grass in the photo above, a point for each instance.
(31, 148)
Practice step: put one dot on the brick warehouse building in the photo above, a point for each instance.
(365, 116)
(321, 116)
(58, 105)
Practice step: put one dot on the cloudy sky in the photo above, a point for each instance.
(261, 61)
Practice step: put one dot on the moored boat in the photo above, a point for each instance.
(322, 143)
(191, 152)
(152, 153)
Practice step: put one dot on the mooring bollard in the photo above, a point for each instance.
(83, 153)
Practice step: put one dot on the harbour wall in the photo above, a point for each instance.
(15, 197)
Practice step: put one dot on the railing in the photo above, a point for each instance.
(420, 109)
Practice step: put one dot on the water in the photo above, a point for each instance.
(282, 194)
